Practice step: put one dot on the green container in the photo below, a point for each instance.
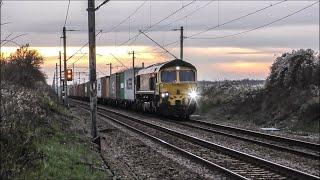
(120, 85)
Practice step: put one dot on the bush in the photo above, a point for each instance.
(298, 69)
(289, 99)
(22, 121)
(24, 94)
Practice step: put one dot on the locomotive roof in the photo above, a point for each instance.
(159, 66)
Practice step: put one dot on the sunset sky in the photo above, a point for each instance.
(247, 55)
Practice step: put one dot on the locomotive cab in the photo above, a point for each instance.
(177, 89)
(168, 88)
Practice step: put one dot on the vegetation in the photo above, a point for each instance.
(23, 68)
(35, 139)
(288, 100)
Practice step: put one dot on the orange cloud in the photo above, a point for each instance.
(257, 68)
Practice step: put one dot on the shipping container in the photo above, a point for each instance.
(103, 87)
(128, 85)
(70, 90)
(87, 89)
(82, 90)
(99, 88)
(120, 85)
(78, 90)
(113, 86)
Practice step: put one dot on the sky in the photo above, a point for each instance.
(231, 48)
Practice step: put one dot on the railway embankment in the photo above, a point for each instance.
(288, 100)
(39, 139)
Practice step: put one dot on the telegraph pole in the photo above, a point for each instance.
(0, 33)
(79, 77)
(92, 67)
(134, 73)
(61, 83)
(0, 54)
(53, 80)
(110, 68)
(181, 43)
(73, 73)
(65, 67)
(56, 85)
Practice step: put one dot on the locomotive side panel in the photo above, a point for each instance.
(144, 82)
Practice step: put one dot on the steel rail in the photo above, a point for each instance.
(293, 173)
(258, 142)
(181, 151)
(274, 167)
(289, 141)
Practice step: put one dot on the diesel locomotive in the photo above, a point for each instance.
(168, 88)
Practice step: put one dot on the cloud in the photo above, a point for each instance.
(234, 57)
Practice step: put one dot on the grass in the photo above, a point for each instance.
(67, 157)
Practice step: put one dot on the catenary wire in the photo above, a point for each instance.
(124, 20)
(228, 22)
(235, 19)
(155, 24)
(262, 26)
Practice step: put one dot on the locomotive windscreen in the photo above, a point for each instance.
(168, 76)
(186, 75)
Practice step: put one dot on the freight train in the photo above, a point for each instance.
(168, 88)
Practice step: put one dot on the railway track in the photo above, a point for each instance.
(231, 162)
(298, 147)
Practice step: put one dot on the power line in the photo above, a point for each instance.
(5, 23)
(124, 20)
(159, 45)
(118, 60)
(259, 27)
(235, 19)
(65, 20)
(145, 30)
(10, 41)
(79, 58)
(191, 13)
(83, 46)
(228, 22)
(104, 2)
(6, 40)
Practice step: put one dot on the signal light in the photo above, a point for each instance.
(69, 75)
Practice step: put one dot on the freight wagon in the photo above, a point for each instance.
(167, 88)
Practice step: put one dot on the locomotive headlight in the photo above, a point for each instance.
(164, 94)
(193, 94)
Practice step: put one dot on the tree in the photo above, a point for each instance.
(23, 67)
